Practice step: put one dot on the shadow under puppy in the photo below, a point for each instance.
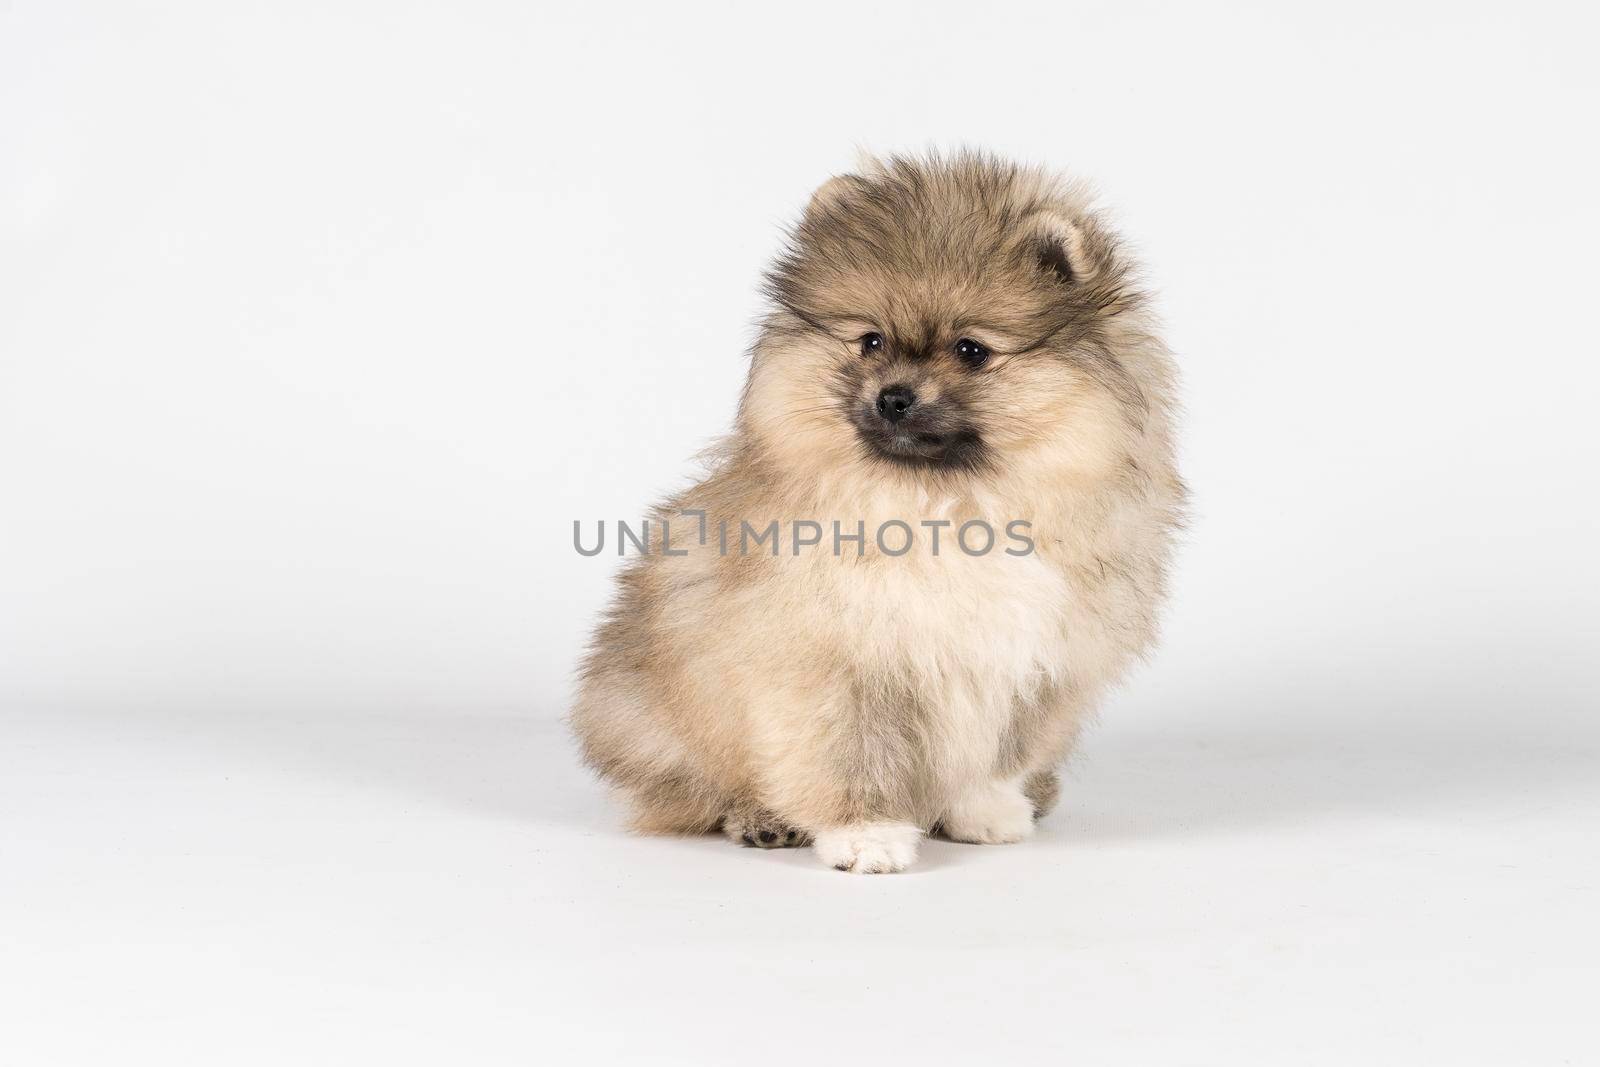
(954, 345)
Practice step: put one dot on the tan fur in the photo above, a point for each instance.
(861, 700)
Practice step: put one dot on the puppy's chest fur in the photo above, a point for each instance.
(995, 621)
(967, 641)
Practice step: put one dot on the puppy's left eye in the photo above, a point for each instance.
(871, 343)
(971, 352)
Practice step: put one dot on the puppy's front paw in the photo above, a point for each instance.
(870, 848)
(761, 829)
(993, 814)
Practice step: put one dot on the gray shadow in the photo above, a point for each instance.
(1356, 752)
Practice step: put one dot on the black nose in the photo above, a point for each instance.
(895, 401)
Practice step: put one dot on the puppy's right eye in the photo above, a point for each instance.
(871, 343)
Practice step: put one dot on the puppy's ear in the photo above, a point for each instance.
(1059, 246)
(832, 191)
(869, 168)
(870, 165)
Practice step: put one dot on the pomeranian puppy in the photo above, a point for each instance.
(954, 454)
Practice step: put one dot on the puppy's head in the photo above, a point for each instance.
(945, 319)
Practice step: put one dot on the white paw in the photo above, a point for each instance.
(997, 813)
(869, 847)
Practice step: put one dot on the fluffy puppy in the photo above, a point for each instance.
(954, 345)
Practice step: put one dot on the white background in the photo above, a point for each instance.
(321, 323)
